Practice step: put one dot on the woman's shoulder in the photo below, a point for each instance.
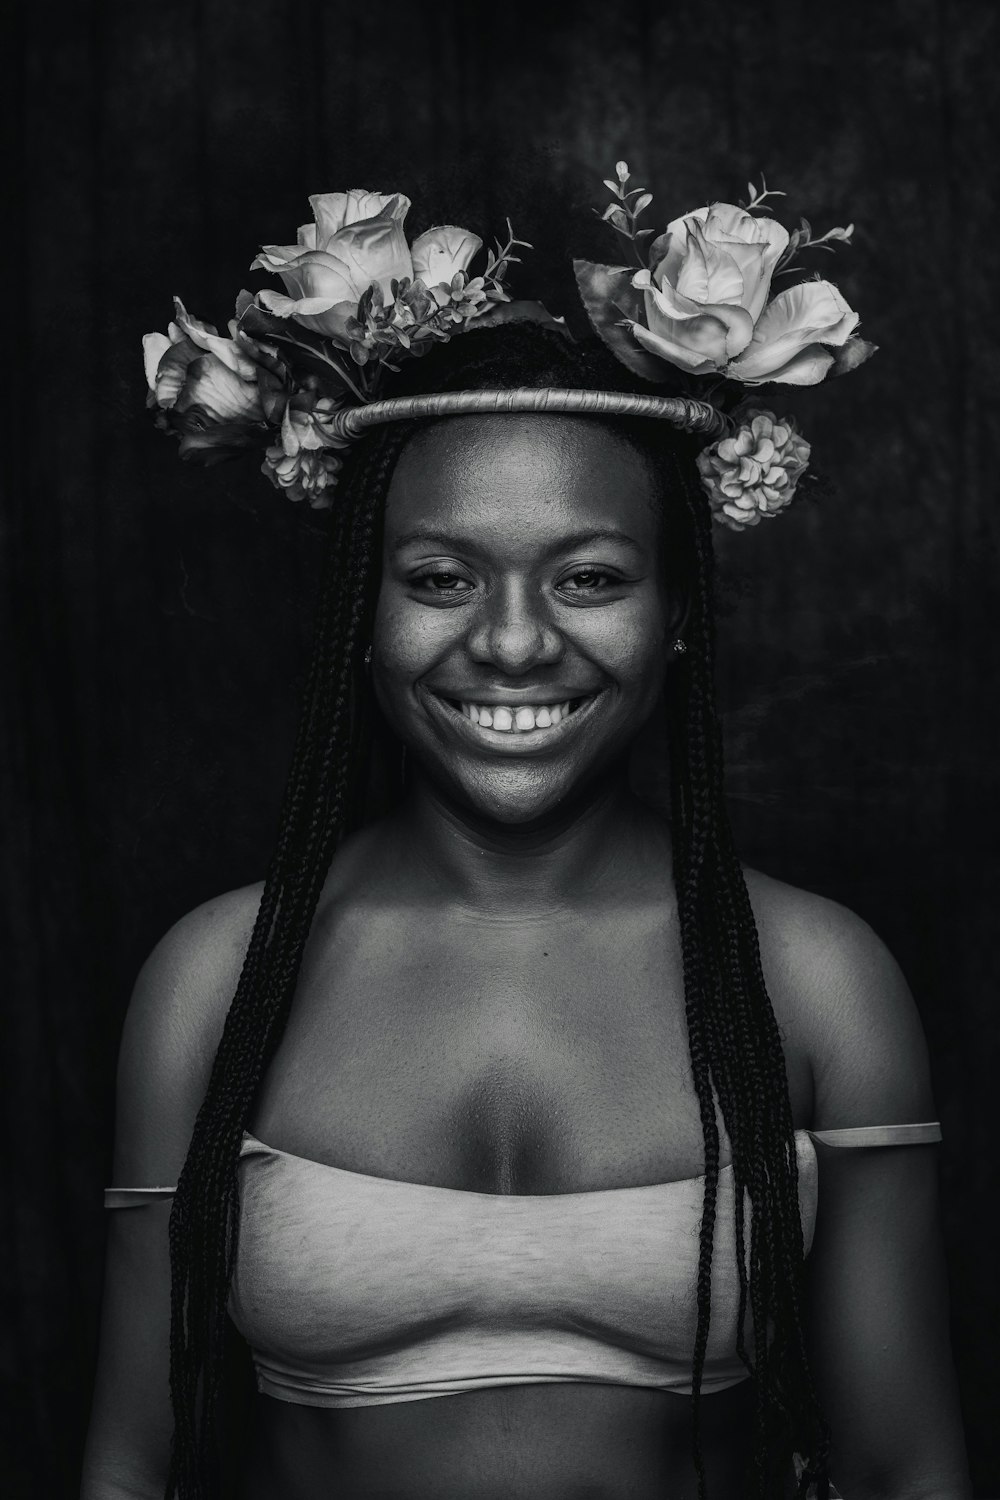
(839, 991)
(191, 970)
(171, 1032)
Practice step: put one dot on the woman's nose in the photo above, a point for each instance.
(514, 632)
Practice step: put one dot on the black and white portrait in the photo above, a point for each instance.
(499, 753)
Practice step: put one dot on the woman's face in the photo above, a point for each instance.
(522, 628)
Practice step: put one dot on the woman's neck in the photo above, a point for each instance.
(606, 843)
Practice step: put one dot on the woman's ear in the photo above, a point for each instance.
(679, 616)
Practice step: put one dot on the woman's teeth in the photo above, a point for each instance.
(518, 720)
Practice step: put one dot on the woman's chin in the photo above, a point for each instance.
(515, 795)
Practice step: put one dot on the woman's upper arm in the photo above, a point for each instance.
(171, 1032)
(877, 1297)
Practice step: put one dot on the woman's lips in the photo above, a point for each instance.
(516, 723)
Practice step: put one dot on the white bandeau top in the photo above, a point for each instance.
(354, 1290)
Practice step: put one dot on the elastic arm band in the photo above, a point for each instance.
(881, 1135)
(135, 1197)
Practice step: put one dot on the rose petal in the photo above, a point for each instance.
(808, 367)
(224, 396)
(154, 347)
(373, 250)
(720, 329)
(668, 253)
(756, 245)
(172, 370)
(276, 257)
(318, 313)
(708, 274)
(812, 313)
(336, 211)
(674, 353)
(204, 335)
(292, 307)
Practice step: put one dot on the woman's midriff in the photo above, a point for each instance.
(529, 1442)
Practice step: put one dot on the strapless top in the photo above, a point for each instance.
(355, 1290)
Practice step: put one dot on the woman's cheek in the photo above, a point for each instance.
(627, 639)
(411, 638)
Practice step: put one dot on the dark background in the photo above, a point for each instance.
(155, 615)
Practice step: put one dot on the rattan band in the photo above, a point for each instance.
(692, 416)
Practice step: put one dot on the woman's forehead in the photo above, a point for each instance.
(546, 475)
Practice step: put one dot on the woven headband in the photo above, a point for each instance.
(304, 372)
(692, 416)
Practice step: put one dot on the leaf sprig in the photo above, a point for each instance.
(623, 214)
(802, 239)
(799, 239)
(499, 259)
(756, 199)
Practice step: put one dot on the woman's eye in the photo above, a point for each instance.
(441, 582)
(586, 581)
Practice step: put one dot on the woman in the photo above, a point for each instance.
(518, 1159)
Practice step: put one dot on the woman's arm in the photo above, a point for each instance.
(877, 1301)
(171, 1032)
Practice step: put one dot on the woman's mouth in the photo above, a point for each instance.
(518, 718)
(493, 721)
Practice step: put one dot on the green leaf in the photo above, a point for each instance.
(257, 322)
(608, 295)
(658, 250)
(850, 355)
(520, 311)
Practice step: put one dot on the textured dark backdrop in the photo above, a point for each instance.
(157, 614)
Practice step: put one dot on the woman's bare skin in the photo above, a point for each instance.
(492, 999)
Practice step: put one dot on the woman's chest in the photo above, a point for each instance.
(500, 1057)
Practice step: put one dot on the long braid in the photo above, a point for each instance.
(745, 1066)
(737, 1061)
(204, 1221)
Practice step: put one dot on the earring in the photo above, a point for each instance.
(679, 646)
(368, 656)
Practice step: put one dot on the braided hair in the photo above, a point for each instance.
(736, 1055)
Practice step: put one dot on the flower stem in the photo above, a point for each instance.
(337, 370)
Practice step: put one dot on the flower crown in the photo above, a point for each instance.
(303, 372)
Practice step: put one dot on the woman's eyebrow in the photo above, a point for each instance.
(454, 542)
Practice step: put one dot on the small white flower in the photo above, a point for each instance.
(754, 473)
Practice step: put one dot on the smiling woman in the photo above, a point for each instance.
(513, 1158)
(521, 629)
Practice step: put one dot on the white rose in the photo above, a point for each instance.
(708, 287)
(357, 240)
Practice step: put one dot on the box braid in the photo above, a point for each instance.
(315, 814)
(736, 1056)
